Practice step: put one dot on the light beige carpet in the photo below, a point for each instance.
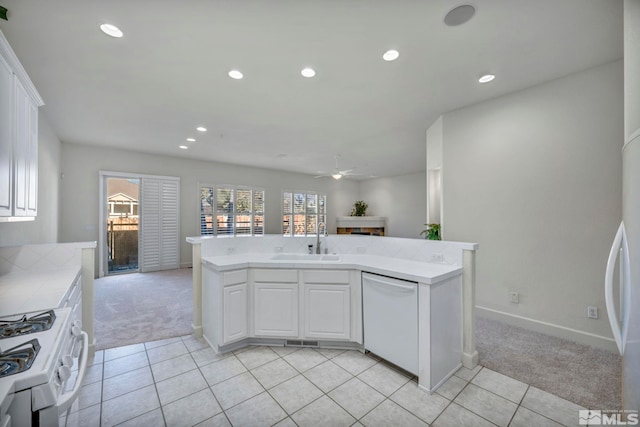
(585, 375)
(139, 307)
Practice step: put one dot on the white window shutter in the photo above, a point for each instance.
(170, 236)
(159, 224)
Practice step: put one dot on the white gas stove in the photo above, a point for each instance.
(38, 352)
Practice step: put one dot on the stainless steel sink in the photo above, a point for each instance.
(306, 257)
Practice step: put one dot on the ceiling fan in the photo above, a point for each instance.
(337, 173)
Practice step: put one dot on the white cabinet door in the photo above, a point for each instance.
(32, 159)
(25, 153)
(6, 138)
(327, 311)
(235, 312)
(276, 309)
(19, 102)
(21, 146)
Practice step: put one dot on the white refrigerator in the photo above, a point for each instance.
(630, 301)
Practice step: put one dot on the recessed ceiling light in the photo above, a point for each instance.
(184, 147)
(308, 72)
(201, 129)
(191, 139)
(235, 74)
(391, 55)
(459, 15)
(111, 30)
(486, 78)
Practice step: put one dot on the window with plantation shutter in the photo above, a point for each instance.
(227, 210)
(206, 210)
(302, 212)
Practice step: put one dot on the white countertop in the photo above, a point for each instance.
(37, 290)
(415, 271)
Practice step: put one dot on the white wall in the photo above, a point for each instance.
(434, 173)
(45, 227)
(80, 196)
(534, 178)
(402, 199)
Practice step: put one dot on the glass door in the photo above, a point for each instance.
(122, 224)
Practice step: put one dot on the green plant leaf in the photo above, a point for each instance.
(3, 13)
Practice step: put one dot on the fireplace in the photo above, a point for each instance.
(361, 225)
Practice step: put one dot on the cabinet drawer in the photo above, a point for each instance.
(275, 276)
(326, 276)
(235, 277)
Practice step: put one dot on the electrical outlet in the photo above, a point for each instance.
(592, 312)
(514, 297)
(231, 251)
(436, 258)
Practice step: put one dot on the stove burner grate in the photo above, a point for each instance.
(27, 325)
(19, 358)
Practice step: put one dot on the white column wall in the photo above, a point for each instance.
(534, 178)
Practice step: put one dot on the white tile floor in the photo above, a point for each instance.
(181, 382)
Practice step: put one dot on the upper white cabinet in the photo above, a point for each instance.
(6, 132)
(19, 102)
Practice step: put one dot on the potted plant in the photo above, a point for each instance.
(432, 232)
(359, 208)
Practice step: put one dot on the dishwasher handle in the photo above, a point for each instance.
(384, 283)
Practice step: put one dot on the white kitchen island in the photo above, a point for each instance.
(250, 298)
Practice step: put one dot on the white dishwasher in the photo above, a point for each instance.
(390, 312)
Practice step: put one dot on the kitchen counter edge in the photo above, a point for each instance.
(415, 271)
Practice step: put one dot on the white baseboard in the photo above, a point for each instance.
(581, 337)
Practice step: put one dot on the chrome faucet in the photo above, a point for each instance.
(318, 250)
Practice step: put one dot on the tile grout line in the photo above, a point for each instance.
(209, 387)
(265, 389)
(519, 404)
(352, 377)
(190, 352)
(452, 401)
(155, 386)
(101, 387)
